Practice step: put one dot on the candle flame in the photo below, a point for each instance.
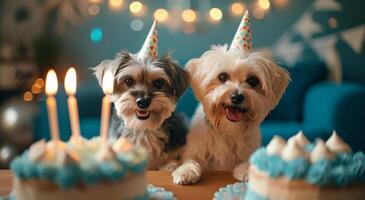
(70, 81)
(108, 82)
(51, 83)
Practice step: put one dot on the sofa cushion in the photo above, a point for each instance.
(303, 75)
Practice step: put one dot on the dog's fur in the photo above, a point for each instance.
(162, 132)
(214, 141)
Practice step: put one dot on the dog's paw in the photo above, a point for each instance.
(169, 167)
(187, 173)
(240, 172)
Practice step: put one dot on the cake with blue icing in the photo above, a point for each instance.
(298, 169)
(80, 169)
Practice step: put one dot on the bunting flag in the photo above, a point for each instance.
(325, 49)
(354, 37)
(329, 5)
(323, 46)
(306, 26)
(288, 51)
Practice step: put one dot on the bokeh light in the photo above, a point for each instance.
(332, 22)
(36, 89)
(189, 15)
(28, 96)
(136, 7)
(115, 5)
(264, 4)
(96, 35)
(40, 82)
(137, 25)
(237, 8)
(94, 9)
(259, 13)
(95, 1)
(161, 15)
(280, 3)
(215, 14)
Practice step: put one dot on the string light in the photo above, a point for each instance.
(189, 15)
(115, 5)
(215, 14)
(264, 4)
(258, 13)
(40, 82)
(280, 3)
(136, 7)
(28, 96)
(36, 89)
(161, 15)
(137, 25)
(237, 8)
(96, 35)
(94, 9)
(332, 22)
(95, 1)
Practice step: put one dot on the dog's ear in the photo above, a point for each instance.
(192, 65)
(192, 68)
(178, 76)
(280, 80)
(121, 60)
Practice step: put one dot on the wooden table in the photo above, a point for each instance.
(205, 189)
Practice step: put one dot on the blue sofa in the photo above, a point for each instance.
(310, 104)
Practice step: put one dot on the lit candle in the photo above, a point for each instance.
(51, 90)
(107, 84)
(70, 87)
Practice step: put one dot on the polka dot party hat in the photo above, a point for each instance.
(242, 39)
(149, 48)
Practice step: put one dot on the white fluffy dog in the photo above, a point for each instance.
(236, 90)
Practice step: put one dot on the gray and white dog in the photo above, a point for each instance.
(146, 90)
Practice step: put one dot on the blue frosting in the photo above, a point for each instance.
(344, 169)
(90, 172)
(318, 173)
(296, 168)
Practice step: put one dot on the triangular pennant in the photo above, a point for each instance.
(325, 48)
(327, 5)
(354, 37)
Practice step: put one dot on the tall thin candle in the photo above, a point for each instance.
(51, 90)
(70, 87)
(107, 84)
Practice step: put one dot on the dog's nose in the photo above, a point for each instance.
(237, 98)
(143, 103)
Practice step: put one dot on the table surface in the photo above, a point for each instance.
(211, 181)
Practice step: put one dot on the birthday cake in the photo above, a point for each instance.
(298, 169)
(80, 169)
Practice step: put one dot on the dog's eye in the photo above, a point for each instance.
(223, 77)
(129, 82)
(158, 84)
(253, 81)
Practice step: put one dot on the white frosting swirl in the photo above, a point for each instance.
(122, 145)
(67, 156)
(301, 139)
(105, 153)
(293, 151)
(276, 146)
(337, 145)
(320, 152)
(37, 150)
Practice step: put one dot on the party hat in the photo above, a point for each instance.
(149, 48)
(242, 39)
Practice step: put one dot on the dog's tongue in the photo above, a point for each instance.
(233, 114)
